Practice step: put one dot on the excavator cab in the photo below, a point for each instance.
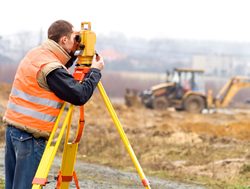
(187, 80)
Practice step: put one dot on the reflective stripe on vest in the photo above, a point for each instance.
(30, 112)
(37, 100)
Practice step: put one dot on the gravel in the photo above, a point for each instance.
(93, 176)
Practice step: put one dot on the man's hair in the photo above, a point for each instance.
(59, 29)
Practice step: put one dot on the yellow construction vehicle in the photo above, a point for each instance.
(185, 90)
(227, 92)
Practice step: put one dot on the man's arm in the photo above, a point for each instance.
(67, 88)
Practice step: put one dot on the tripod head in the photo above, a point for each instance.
(86, 51)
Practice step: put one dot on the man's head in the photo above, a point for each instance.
(62, 32)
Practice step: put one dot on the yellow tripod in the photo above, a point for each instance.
(67, 172)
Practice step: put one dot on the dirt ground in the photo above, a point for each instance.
(208, 149)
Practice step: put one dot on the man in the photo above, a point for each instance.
(41, 85)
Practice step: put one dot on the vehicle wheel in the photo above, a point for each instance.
(160, 103)
(194, 104)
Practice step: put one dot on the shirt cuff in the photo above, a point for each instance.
(95, 70)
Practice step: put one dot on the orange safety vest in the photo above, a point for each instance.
(29, 104)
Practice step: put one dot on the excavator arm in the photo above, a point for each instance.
(230, 89)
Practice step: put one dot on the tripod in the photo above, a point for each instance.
(67, 172)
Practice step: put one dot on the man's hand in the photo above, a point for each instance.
(97, 62)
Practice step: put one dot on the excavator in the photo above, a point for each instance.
(185, 90)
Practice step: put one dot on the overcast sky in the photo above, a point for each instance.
(186, 19)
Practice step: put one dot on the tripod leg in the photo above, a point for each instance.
(123, 135)
(69, 155)
(42, 172)
(68, 162)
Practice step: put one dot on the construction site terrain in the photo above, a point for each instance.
(210, 149)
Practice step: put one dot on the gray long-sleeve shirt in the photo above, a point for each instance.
(68, 89)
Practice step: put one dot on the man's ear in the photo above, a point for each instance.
(63, 39)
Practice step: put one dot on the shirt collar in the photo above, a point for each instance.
(56, 49)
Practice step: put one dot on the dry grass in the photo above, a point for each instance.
(211, 149)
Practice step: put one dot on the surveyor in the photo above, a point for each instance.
(42, 83)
